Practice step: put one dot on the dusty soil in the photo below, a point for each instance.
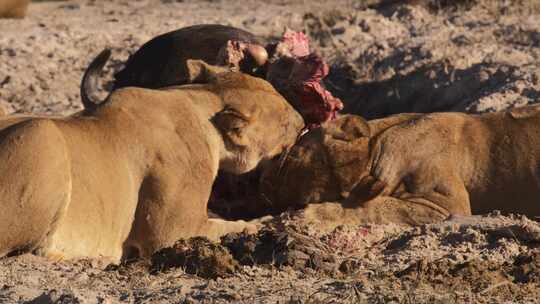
(385, 59)
(488, 259)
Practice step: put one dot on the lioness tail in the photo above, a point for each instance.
(90, 79)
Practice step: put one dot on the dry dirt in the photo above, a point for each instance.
(389, 58)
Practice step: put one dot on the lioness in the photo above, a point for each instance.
(413, 168)
(134, 174)
(13, 8)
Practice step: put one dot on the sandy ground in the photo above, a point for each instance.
(396, 58)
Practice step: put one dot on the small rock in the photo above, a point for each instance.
(71, 6)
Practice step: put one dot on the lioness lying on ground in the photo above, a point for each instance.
(412, 168)
(134, 175)
(13, 8)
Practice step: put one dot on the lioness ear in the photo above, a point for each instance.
(347, 128)
(231, 122)
(201, 72)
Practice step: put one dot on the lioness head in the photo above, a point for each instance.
(256, 122)
(323, 166)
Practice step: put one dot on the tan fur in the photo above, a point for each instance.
(413, 168)
(135, 174)
(13, 8)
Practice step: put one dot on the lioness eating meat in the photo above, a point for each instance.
(13, 8)
(134, 174)
(413, 168)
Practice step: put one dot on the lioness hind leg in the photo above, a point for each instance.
(35, 185)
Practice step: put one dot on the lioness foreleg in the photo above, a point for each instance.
(418, 199)
(380, 210)
(431, 181)
(167, 212)
(444, 189)
(216, 228)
